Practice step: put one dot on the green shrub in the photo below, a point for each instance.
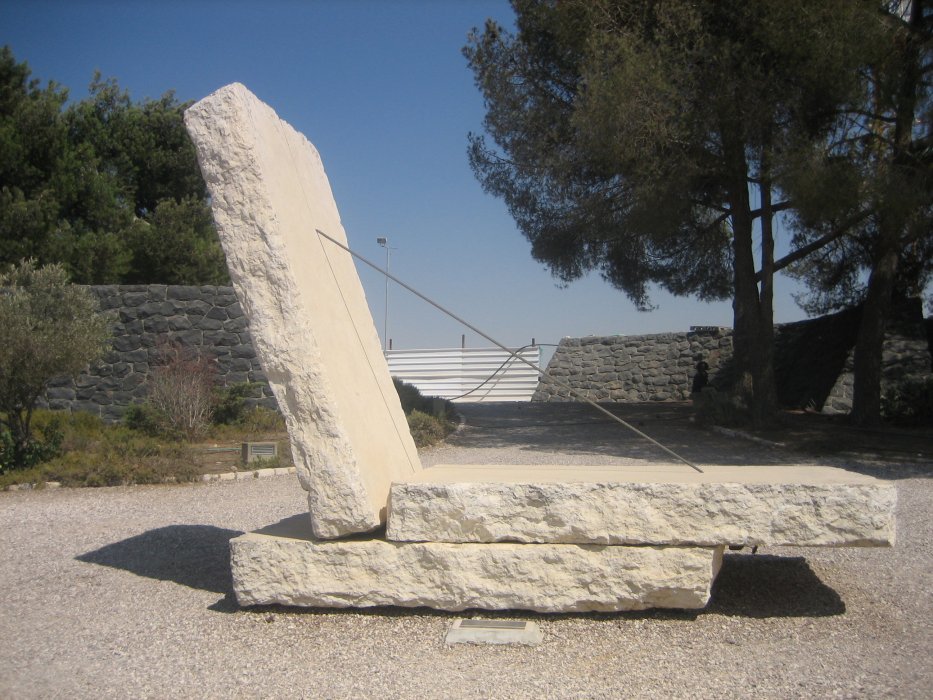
(429, 418)
(413, 400)
(256, 423)
(263, 420)
(144, 418)
(909, 402)
(96, 454)
(41, 446)
(426, 429)
(51, 328)
(230, 403)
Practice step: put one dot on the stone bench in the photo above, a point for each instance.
(551, 539)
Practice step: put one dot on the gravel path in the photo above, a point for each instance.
(125, 592)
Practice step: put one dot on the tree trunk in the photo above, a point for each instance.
(869, 346)
(753, 324)
(892, 220)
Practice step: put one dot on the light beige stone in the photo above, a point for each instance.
(659, 504)
(283, 564)
(308, 315)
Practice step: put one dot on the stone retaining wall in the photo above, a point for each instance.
(147, 317)
(813, 362)
(813, 359)
(657, 367)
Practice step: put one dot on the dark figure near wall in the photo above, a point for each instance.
(701, 378)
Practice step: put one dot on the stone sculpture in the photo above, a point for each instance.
(547, 539)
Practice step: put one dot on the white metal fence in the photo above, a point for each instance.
(468, 374)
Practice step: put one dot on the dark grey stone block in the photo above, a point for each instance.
(101, 370)
(155, 325)
(218, 313)
(221, 338)
(239, 364)
(141, 355)
(101, 398)
(244, 350)
(126, 343)
(63, 380)
(178, 323)
(155, 308)
(135, 298)
(236, 324)
(60, 393)
(225, 297)
(132, 382)
(133, 327)
(183, 293)
(192, 338)
(198, 307)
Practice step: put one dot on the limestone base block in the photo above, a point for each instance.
(635, 505)
(284, 564)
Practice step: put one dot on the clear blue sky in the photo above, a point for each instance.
(382, 90)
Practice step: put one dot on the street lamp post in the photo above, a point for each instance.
(384, 242)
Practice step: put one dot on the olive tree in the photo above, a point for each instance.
(50, 328)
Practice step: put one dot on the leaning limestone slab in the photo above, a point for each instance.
(283, 564)
(631, 505)
(308, 315)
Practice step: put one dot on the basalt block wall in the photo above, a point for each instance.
(657, 367)
(207, 319)
(812, 358)
(812, 362)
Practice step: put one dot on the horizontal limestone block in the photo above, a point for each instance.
(283, 564)
(659, 504)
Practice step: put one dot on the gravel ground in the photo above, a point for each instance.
(125, 592)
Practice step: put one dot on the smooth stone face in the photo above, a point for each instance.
(659, 505)
(283, 564)
(307, 312)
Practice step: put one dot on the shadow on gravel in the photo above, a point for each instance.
(761, 585)
(197, 556)
(578, 429)
(574, 428)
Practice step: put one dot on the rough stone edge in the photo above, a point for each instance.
(366, 572)
(643, 514)
(341, 500)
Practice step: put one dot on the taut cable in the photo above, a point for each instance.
(514, 354)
